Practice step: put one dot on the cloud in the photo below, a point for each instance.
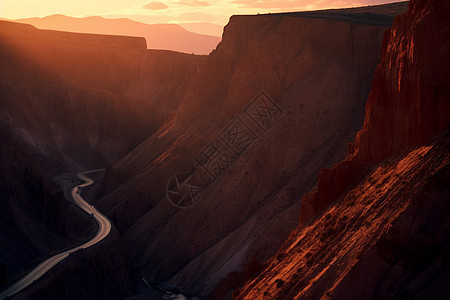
(193, 3)
(155, 5)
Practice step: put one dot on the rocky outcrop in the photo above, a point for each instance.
(386, 236)
(408, 103)
(245, 214)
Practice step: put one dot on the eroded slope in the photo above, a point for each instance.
(387, 238)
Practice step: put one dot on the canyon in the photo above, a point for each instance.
(244, 216)
(282, 203)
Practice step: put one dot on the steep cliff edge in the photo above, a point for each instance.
(408, 103)
(318, 74)
(387, 235)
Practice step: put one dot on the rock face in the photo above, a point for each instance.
(408, 103)
(410, 85)
(243, 216)
(387, 236)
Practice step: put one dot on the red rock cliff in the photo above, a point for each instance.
(409, 102)
(388, 236)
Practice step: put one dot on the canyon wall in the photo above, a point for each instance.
(376, 227)
(118, 64)
(57, 95)
(408, 103)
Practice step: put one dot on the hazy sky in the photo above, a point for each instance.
(170, 11)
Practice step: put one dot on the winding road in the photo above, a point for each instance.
(104, 227)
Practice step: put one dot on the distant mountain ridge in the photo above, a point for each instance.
(203, 28)
(158, 36)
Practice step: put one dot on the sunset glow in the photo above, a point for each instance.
(224, 149)
(173, 11)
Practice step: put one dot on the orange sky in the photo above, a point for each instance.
(171, 11)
